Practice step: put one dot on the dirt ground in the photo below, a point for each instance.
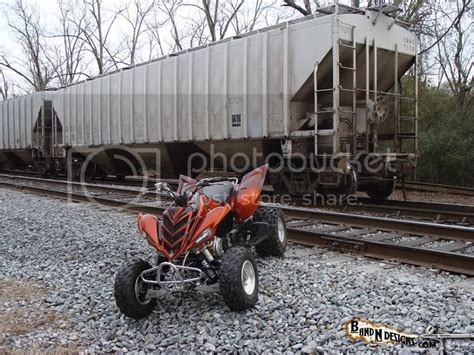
(23, 311)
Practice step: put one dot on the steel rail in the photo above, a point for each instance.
(444, 260)
(384, 224)
(364, 202)
(107, 188)
(420, 209)
(392, 204)
(454, 262)
(72, 196)
(430, 187)
(463, 215)
(433, 206)
(435, 211)
(409, 185)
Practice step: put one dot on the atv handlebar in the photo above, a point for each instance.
(181, 200)
(164, 187)
(217, 179)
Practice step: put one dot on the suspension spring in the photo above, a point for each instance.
(211, 274)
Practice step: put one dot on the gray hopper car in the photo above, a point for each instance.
(320, 97)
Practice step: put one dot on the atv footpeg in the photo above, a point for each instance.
(172, 277)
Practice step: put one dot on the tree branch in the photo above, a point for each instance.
(305, 11)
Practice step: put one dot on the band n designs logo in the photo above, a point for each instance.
(373, 333)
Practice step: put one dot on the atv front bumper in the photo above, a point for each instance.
(172, 277)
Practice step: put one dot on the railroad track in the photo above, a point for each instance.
(428, 211)
(434, 212)
(139, 181)
(446, 247)
(430, 187)
(409, 186)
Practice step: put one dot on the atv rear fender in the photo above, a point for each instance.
(247, 198)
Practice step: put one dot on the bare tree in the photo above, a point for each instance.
(248, 18)
(198, 31)
(410, 7)
(304, 9)
(95, 23)
(70, 54)
(277, 15)
(170, 8)
(212, 20)
(440, 34)
(136, 15)
(36, 67)
(455, 58)
(219, 16)
(4, 86)
(154, 27)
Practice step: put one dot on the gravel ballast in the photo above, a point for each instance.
(58, 262)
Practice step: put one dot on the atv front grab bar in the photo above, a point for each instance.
(174, 281)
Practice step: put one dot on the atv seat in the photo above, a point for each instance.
(219, 192)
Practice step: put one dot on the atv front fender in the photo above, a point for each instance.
(211, 221)
(148, 225)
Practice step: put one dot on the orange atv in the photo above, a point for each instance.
(204, 237)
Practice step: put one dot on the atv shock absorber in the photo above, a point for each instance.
(205, 262)
(211, 274)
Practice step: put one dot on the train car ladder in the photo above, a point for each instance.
(337, 111)
(352, 113)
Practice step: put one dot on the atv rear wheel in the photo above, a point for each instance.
(275, 244)
(130, 290)
(238, 279)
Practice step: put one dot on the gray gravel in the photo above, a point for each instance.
(67, 255)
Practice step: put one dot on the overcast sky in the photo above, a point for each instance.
(48, 11)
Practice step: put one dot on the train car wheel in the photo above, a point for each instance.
(381, 190)
(347, 187)
(89, 173)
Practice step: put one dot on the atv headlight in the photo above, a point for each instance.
(204, 235)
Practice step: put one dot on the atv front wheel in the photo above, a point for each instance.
(239, 279)
(275, 244)
(130, 290)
